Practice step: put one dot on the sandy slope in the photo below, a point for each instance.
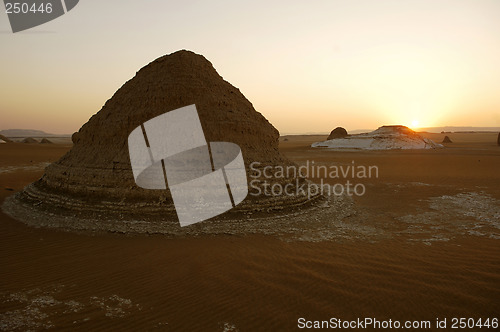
(422, 244)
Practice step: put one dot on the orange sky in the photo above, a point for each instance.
(307, 66)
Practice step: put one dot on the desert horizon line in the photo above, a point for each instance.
(433, 129)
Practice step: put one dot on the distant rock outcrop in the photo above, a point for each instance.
(29, 140)
(46, 141)
(498, 140)
(5, 139)
(338, 132)
(384, 138)
(446, 139)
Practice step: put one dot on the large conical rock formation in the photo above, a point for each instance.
(95, 178)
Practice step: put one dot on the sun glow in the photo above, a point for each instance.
(414, 124)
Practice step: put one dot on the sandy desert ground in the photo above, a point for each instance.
(423, 244)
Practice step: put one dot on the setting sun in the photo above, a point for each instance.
(414, 124)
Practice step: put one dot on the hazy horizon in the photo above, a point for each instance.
(307, 67)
